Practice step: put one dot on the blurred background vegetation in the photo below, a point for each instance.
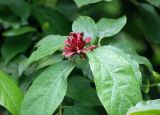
(24, 22)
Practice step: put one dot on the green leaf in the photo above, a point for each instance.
(51, 21)
(79, 110)
(109, 27)
(85, 2)
(115, 79)
(47, 46)
(3, 2)
(127, 48)
(150, 20)
(10, 94)
(47, 91)
(76, 86)
(21, 8)
(87, 25)
(13, 46)
(19, 31)
(151, 107)
(154, 2)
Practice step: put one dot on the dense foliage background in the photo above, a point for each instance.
(25, 22)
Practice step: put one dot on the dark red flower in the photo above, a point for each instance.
(76, 44)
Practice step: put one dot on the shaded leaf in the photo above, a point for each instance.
(10, 94)
(19, 31)
(51, 21)
(76, 86)
(21, 8)
(79, 110)
(47, 91)
(150, 20)
(14, 46)
(154, 2)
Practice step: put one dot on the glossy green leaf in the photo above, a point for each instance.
(151, 107)
(154, 2)
(85, 2)
(76, 86)
(21, 8)
(10, 94)
(87, 25)
(47, 91)
(79, 110)
(47, 46)
(109, 27)
(14, 46)
(51, 21)
(150, 19)
(127, 48)
(115, 79)
(19, 31)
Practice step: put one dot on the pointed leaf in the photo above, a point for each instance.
(10, 94)
(115, 80)
(47, 91)
(47, 46)
(109, 27)
(87, 25)
(151, 107)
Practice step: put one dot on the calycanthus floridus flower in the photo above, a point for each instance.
(76, 44)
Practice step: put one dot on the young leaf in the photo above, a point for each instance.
(47, 46)
(150, 19)
(151, 107)
(19, 31)
(115, 80)
(85, 2)
(10, 94)
(87, 25)
(109, 27)
(47, 91)
(79, 110)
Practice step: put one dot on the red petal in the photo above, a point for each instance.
(87, 40)
(90, 48)
(68, 54)
(67, 48)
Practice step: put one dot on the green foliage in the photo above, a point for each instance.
(87, 25)
(47, 46)
(151, 24)
(85, 2)
(11, 96)
(115, 80)
(109, 27)
(47, 91)
(151, 107)
(99, 72)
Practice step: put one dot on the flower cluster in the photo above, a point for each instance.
(76, 44)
